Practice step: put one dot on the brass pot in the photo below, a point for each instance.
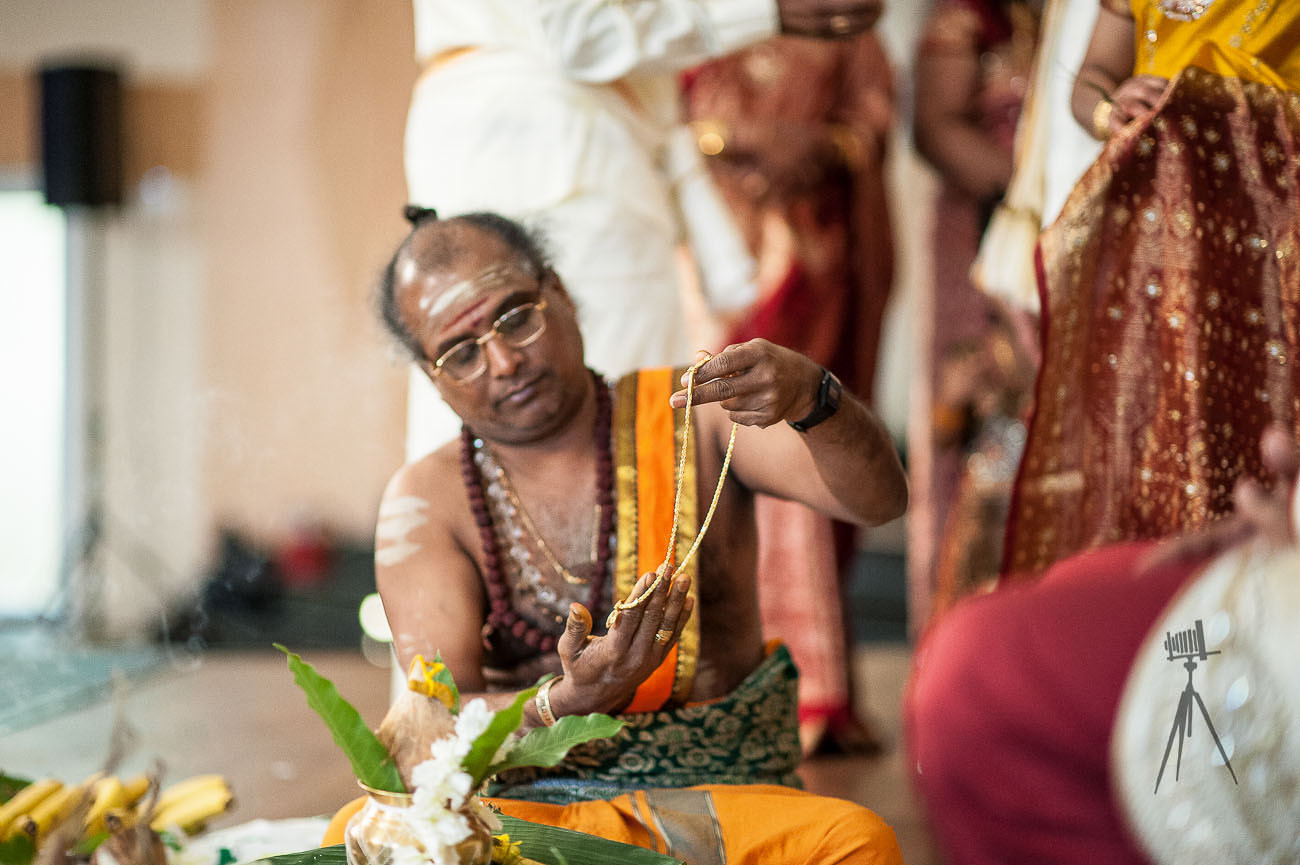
(379, 827)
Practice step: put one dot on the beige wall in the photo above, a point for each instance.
(246, 383)
(301, 190)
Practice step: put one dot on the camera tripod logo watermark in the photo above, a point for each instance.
(1189, 647)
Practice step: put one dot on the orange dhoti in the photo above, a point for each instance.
(715, 824)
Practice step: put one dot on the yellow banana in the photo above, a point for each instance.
(194, 809)
(109, 793)
(23, 801)
(51, 811)
(133, 789)
(184, 789)
(117, 819)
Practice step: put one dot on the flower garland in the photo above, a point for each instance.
(438, 816)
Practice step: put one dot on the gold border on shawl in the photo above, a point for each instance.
(688, 523)
(625, 484)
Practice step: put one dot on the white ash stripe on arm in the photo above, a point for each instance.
(397, 518)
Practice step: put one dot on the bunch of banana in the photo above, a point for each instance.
(189, 804)
(112, 795)
(13, 814)
(104, 804)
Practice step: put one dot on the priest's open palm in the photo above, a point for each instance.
(602, 673)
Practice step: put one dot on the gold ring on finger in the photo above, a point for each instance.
(663, 635)
(840, 24)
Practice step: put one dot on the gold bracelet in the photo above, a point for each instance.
(1101, 118)
(543, 701)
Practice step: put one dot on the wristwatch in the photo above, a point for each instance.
(828, 402)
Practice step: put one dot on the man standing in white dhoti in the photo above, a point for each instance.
(565, 113)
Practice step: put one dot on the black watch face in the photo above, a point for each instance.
(833, 396)
(828, 401)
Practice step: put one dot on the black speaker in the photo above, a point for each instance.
(81, 134)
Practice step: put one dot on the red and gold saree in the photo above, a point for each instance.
(1171, 303)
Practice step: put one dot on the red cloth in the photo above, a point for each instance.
(1009, 710)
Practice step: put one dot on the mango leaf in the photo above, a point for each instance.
(485, 747)
(371, 762)
(546, 746)
(18, 850)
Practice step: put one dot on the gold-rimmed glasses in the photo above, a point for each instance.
(517, 327)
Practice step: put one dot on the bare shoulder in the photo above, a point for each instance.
(432, 476)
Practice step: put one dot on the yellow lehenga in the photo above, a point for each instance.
(1171, 294)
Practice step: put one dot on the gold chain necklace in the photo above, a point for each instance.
(631, 602)
(563, 572)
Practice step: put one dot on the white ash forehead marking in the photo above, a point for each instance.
(488, 279)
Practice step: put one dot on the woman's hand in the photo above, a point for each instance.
(1134, 97)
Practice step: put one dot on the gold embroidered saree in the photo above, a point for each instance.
(1171, 300)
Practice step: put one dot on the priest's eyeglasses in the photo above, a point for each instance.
(518, 327)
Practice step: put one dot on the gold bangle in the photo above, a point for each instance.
(1101, 118)
(543, 701)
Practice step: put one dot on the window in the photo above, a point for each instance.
(32, 396)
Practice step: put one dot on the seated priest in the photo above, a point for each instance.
(1138, 704)
(506, 551)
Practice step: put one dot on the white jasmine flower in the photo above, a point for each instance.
(448, 830)
(443, 799)
(450, 750)
(439, 785)
(473, 719)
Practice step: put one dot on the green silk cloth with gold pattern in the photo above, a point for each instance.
(751, 736)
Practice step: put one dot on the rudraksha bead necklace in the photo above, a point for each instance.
(501, 615)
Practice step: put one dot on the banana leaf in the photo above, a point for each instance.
(545, 844)
(9, 785)
(371, 762)
(546, 746)
(552, 846)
